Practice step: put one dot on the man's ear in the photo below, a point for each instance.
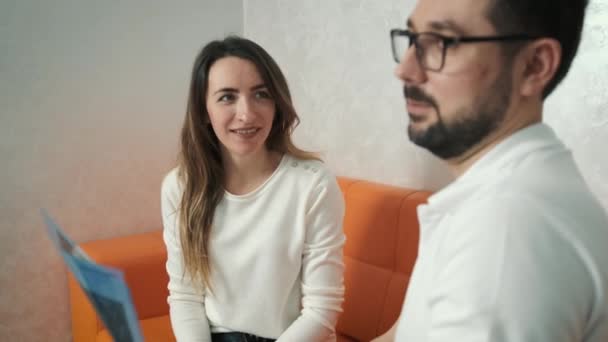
(542, 59)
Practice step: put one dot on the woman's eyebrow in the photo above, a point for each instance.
(226, 90)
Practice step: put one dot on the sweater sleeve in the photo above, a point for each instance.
(322, 265)
(186, 306)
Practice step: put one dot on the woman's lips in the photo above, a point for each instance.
(246, 132)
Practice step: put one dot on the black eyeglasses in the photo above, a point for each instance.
(431, 47)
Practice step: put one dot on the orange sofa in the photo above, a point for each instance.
(381, 227)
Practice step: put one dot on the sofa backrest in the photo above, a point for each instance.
(142, 259)
(381, 228)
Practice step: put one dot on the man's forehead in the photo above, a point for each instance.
(457, 16)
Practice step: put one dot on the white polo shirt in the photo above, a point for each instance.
(514, 250)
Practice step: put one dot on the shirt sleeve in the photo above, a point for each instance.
(322, 265)
(507, 273)
(186, 305)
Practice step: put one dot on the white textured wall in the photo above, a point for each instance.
(92, 95)
(337, 58)
(578, 110)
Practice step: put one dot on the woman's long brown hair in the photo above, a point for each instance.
(200, 168)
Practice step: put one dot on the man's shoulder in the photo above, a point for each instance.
(520, 207)
(546, 225)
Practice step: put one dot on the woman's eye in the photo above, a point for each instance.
(263, 95)
(226, 98)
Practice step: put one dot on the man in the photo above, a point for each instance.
(516, 248)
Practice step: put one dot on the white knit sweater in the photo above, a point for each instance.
(276, 259)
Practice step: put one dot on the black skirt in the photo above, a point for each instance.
(238, 337)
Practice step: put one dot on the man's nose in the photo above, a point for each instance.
(409, 69)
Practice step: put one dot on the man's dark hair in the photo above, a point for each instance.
(558, 19)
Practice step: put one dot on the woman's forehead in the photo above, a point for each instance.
(234, 72)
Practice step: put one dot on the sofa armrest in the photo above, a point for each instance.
(142, 258)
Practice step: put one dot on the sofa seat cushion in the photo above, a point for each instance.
(157, 329)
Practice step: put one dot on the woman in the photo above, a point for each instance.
(252, 224)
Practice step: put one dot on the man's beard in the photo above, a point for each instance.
(454, 139)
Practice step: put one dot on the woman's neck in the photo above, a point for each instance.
(246, 173)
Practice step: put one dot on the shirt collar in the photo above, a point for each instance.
(500, 159)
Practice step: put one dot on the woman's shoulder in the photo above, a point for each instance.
(312, 169)
(170, 183)
(313, 179)
(305, 163)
